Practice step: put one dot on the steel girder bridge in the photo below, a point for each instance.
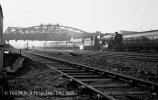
(44, 32)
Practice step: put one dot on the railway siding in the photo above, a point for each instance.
(121, 93)
(135, 68)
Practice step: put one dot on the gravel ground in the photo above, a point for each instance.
(38, 82)
(134, 68)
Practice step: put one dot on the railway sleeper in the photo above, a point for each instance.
(133, 97)
(74, 71)
(82, 90)
(63, 68)
(86, 76)
(110, 86)
(94, 80)
(128, 93)
(80, 73)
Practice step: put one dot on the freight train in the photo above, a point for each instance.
(136, 41)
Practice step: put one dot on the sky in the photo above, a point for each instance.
(106, 16)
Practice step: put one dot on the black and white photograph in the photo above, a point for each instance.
(78, 49)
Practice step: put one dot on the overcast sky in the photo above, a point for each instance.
(88, 15)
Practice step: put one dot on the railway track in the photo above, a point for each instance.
(134, 57)
(103, 84)
(151, 57)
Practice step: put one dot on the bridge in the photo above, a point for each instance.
(44, 32)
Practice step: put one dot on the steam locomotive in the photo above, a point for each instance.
(100, 42)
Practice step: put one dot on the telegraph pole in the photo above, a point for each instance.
(1, 38)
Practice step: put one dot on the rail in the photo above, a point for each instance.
(83, 74)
